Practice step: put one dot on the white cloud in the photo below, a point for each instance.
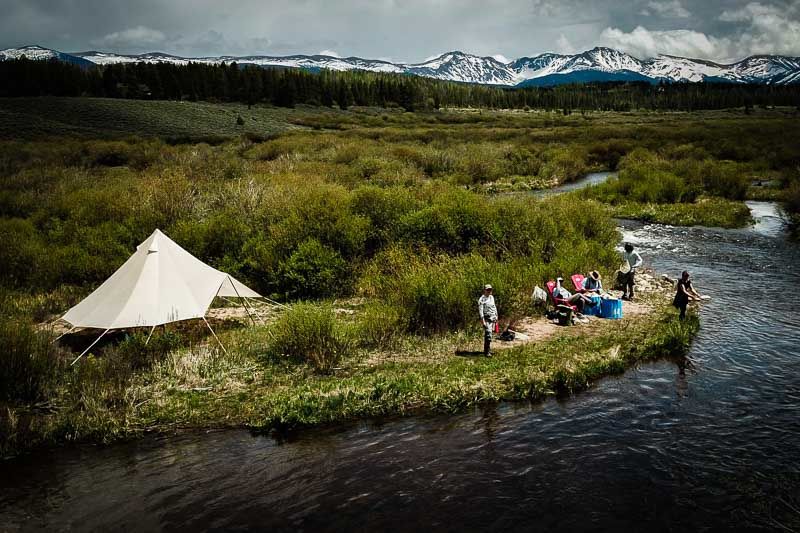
(331, 53)
(545, 8)
(748, 12)
(768, 29)
(666, 8)
(644, 43)
(501, 58)
(564, 46)
(759, 29)
(138, 37)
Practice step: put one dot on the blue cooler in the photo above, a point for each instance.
(594, 308)
(611, 308)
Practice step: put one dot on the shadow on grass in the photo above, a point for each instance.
(468, 353)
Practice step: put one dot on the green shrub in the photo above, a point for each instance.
(31, 365)
(271, 150)
(792, 199)
(607, 154)
(311, 334)
(20, 248)
(380, 325)
(564, 164)
(322, 213)
(454, 222)
(219, 239)
(523, 162)
(725, 179)
(138, 352)
(384, 207)
(314, 271)
(433, 294)
(432, 161)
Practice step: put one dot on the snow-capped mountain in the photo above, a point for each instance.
(597, 64)
(458, 66)
(39, 53)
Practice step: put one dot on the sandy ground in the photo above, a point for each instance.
(537, 329)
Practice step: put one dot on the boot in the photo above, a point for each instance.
(486, 344)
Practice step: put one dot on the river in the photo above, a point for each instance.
(707, 443)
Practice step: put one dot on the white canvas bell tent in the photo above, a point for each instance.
(160, 283)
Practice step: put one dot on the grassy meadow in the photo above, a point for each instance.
(378, 226)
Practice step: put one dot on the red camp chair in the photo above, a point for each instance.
(577, 280)
(558, 301)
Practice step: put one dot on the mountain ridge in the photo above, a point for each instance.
(597, 64)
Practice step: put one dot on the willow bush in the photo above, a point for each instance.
(311, 334)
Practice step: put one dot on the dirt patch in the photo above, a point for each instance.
(537, 329)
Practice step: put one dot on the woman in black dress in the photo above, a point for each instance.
(684, 294)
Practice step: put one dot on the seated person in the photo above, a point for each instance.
(578, 300)
(592, 283)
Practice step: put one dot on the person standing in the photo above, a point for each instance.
(684, 294)
(487, 310)
(634, 261)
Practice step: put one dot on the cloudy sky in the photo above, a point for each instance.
(406, 30)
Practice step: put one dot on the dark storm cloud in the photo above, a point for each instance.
(405, 30)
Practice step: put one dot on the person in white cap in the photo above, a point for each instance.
(487, 310)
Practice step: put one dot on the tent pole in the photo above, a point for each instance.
(242, 300)
(151, 334)
(89, 348)
(70, 330)
(215, 336)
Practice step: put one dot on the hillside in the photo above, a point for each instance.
(106, 117)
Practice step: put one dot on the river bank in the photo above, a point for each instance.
(202, 388)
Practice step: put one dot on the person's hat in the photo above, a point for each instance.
(559, 279)
(595, 274)
(487, 287)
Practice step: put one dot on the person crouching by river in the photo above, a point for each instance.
(487, 310)
(684, 294)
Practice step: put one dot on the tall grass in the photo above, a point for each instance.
(311, 334)
(31, 366)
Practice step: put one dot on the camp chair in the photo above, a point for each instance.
(558, 301)
(577, 280)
